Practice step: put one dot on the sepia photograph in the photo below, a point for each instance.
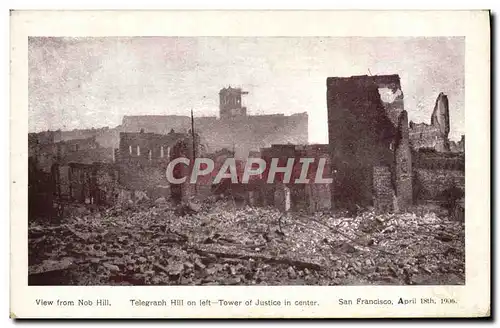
(244, 170)
(354, 161)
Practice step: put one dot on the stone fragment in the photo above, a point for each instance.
(111, 267)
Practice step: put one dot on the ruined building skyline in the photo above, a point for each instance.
(233, 129)
(436, 134)
(379, 158)
(230, 103)
(374, 156)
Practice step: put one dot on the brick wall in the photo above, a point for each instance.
(430, 184)
(140, 177)
(403, 168)
(383, 189)
(363, 116)
(427, 136)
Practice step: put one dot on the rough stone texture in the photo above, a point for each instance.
(435, 172)
(458, 146)
(431, 184)
(143, 158)
(441, 114)
(88, 183)
(363, 116)
(135, 177)
(230, 103)
(44, 137)
(318, 197)
(282, 200)
(437, 160)
(150, 148)
(241, 133)
(310, 196)
(403, 171)
(383, 199)
(435, 135)
(106, 137)
(85, 151)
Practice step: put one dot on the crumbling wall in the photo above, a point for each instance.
(403, 169)
(143, 159)
(424, 136)
(432, 184)
(105, 177)
(148, 148)
(441, 115)
(435, 135)
(318, 197)
(141, 177)
(241, 133)
(41, 192)
(161, 124)
(458, 146)
(433, 160)
(81, 187)
(64, 152)
(363, 118)
(434, 173)
(88, 156)
(383, 189)
(44, 137)
(95, 183)
(105, 137)
(312, 196)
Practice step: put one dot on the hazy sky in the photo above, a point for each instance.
(94, 82)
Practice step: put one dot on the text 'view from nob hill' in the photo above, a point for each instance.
(246, 161)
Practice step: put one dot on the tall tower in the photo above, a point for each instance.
(230, 103)
(441, 114)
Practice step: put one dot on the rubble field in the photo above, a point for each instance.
(218, 243)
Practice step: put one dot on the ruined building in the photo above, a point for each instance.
(45, 153)
(380, 159)
(143, 157)
(369, 142)
(458, 146)
(234, 129)
(311, 196)
(438, 163)
(435, 135)
(230, 103)
(106, 137)
(72, 170)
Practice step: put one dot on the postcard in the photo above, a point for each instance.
(250, 164)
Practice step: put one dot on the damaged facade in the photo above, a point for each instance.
(234, 129)
(435, 135)
(374, 156)
(143, 157)
(94, 183)
(368, 134)
(380, 159)
(86, 150)
(310, 197)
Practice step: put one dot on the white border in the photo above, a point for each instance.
(473, 298)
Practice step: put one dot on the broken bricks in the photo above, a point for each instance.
(151, 245)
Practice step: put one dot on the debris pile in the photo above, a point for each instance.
(217, 244)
